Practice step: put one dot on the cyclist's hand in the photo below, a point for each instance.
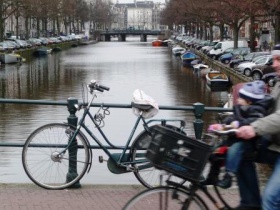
(215, 127)
(246, 132)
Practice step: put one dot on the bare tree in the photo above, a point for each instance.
(6, 9)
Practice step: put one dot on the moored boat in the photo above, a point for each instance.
(188, 57)
(8, 58)
(217, 79)
(166, 42)
(203, 72)
(178, 51)
(157, 43)
(200, 66)
(42, 51)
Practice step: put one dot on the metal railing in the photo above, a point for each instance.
(197, 108)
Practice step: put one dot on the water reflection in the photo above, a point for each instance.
(123, 66)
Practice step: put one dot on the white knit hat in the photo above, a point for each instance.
(253, 91)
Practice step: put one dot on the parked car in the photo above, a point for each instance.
(12, 45)
(208, 47)
(221, 46)
(270, 78)
(3, 47)
(246, 68)
(240, 51)
(44, 41)
(202, 44)
(259, 70)
(247, 58)
(35, 42)
(19, 42)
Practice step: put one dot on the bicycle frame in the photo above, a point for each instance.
(120, 161)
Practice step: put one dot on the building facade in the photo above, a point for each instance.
(139, 15)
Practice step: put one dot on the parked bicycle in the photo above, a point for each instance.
(187, 158)
(57, 155)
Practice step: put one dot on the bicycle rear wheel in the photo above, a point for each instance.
(48, 164)
(145, 172)
(165, 198)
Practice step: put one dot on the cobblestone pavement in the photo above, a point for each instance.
(91, 197)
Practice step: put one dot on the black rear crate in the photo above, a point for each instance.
(177, 153)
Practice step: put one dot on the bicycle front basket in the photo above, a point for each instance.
(177, 153)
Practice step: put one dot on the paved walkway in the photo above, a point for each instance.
(91, 197)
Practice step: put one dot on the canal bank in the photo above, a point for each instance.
(29, 53)
(216, 65)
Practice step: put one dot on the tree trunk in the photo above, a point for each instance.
(17, 27)
(252, 34)
(277, 28)
(2, 28)
(53, 28)
(211, 32)
(235, 34)
(222, 29)
(38, 27)
(58, 26)
(26, 28)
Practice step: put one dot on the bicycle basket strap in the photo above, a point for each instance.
(139, 97)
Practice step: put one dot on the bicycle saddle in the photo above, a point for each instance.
(143, 107)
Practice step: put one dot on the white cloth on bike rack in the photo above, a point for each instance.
(140, 97)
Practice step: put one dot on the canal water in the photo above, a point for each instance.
(124, 67)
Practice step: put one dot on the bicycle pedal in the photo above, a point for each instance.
(101, 160)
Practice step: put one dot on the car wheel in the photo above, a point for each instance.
(226, 61)
(235, 65)
(214, 57)
(247, 72)
(270, 81)
(256, 76)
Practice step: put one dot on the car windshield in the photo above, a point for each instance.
(257, 58)
(229, 50)
(213, 43)
(236, 51)
(262, 60)
(249, 56)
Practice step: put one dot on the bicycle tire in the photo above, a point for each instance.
(225, 194)
(149, 176)
(164, 198)
(44, 167)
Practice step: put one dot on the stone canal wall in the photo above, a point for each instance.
(216, 65)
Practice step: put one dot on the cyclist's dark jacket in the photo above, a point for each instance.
(270, 124)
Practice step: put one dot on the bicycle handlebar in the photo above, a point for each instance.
(95, 86)
(224, 132)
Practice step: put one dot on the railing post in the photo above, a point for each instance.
(73, 149)
(198, 122)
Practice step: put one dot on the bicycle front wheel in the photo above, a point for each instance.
(49, 163)
(224, 194)
(165, 198)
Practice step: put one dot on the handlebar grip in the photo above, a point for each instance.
(99, 89)
(104, 87)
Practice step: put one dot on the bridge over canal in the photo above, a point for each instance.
(122, 34)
